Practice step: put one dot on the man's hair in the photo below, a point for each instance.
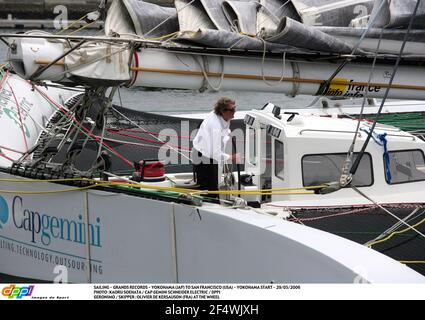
(222, 104)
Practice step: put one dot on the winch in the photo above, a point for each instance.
(150, 170)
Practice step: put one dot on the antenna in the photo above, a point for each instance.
(276, 112)
(292, 116)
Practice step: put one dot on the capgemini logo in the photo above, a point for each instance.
(4, 212)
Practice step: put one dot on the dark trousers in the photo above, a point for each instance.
(207, 176)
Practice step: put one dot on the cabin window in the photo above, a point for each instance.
(323, 168)
(252, 146)
(278, 159)
(406, 166)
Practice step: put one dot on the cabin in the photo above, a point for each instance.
(288, 150)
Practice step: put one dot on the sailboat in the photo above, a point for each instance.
(60, 219)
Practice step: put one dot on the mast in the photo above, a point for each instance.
(160, 68)
(155, 66)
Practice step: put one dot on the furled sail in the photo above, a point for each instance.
(309, 25)
(397, 13)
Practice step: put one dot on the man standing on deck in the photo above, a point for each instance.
(209, 144)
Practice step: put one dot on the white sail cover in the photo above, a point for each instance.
(100, 61)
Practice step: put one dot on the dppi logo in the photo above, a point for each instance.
(4, 212)
(13, 291)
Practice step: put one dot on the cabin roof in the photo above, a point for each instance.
(339, 127)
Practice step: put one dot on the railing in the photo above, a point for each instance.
(329, 131)
(359, 134)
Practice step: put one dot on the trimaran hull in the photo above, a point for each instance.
(136, 239)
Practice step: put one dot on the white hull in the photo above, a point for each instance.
(24, 114)
(155, 241)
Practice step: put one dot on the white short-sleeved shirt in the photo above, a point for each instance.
(212, 136)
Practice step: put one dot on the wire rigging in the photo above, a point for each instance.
(395, 68)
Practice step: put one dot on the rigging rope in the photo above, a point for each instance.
(138, 126)
(76, 21)
(174, 189)
(144, 146)
(151, 141)
(411, 262)
(339, 214)
(387, 211)
(262, 66)
(205, 72)
(20, 116)
(82, 128)
(6, 157)
(362, 151)
(5, 77)
(83, 27)
(397, 225)
(346, 178)
(12, 150)
(347, 60)
(396, 233)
